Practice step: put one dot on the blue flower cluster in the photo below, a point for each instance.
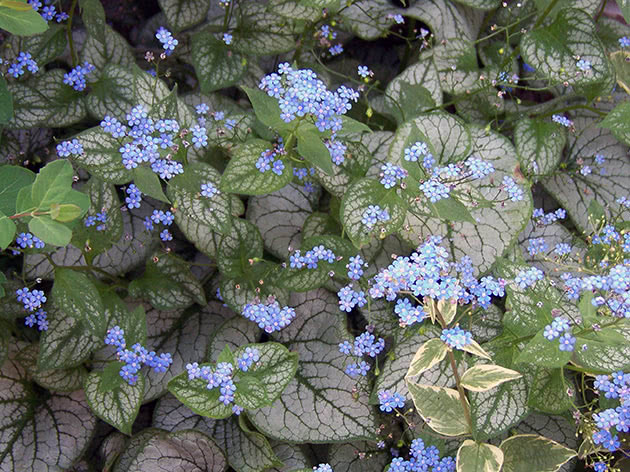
(24, 59)
(326, 35)
(227, 38)
(48, 12)
(68, 148)
(33, 302)
(624, 42)
(583, 65)
(311, 258)
(527, 278)
(416, 151)
(208, 190)
(134, 197)
(300, 93)
(434, 190)
(456, 338)
(560, 328)
(374, 214)
(76, 77)
(151, 141)
(162, 217)
(355, 267)
(608, 235)
(135, 357)
(165, 37)
(515, 193)
(269, 316)
(349, 298)
(223, 376)
(269, 160)
(390, 400)
(364, 344)
(563, 120)
(100, 217)
(337, 151)
(391, 174)
(536, 246)
(542, 218)
(423, 459)
(27, 240)
(408, 313)
(426, 274)
(616, 420)
(323, 468)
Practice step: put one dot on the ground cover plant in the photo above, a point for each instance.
(325, 235)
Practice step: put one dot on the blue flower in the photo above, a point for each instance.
(456, 338)
(227, 38)
(165, 37)
(390, 400)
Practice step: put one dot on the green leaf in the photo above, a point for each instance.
(52, 184)
(67, 342)
(412, 92)
(46, 101)
(241, 175)
(451, 209)
(168, 283)
(428, 354)
(238, 247)
(22, 22)
(527, 452)
(119, 406)
(311, 147)
(352, 126)
(552, 51)
(440, 408)
(478, 457)
(65, 212)
(6, 102)
(266, 109)
(495, 411)
(184, 191)
(75, 294)
(57, 380)
(102, 157)
(57, 426)
(322, 403)
(261, 32)
(187, 450)
(109, 378)
(14, 178)
(539, 145)
(216, 65)
(149, 183)
(617, 121)
(182, 14)
(549, 391)
(355, 202)
(621, 63)
(482, 377)
(7, 231)
(50, 231)
(604, 351)
(544, 353)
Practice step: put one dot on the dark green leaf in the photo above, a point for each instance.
(311, 147)
(7, 231)
(13, 178)
(6, 102)
(149, 183)
(22, 22)
(266, 109)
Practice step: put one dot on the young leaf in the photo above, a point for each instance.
(50, 231)
(311, 148)
(428, 354)
(149, 183)
(527, 452)
(440, 407)
(119, 406)
(539, 145)
(14, 178)
(474, 348)
(22, 22)
(7, 231)
(266, 109)
(478, 457)
(241, 175)
(482, 377)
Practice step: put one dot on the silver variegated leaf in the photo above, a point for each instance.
(320, 404)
